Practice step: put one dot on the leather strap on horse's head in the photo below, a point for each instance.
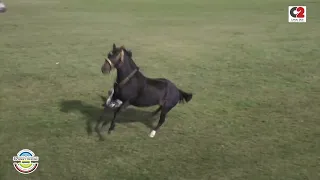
(119, 60)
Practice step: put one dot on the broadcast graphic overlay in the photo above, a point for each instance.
(25, 162)
(297, 14)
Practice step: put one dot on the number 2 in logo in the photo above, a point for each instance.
(300, 11)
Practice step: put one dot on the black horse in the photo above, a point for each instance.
(133, 88)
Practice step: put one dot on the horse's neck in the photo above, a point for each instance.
(126, 70)
(123, 73)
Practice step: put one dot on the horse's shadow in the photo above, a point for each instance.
(93, 113)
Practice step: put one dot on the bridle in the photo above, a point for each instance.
(119, 61)
(118, 64)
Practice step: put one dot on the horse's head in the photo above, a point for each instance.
(115, 58)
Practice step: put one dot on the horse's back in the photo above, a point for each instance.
(157, 82)
(166, 89)
(155, 92)
(152, 93)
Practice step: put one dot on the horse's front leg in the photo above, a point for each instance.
(101, 120)
(113, 123)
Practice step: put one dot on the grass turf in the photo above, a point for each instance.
(255, 113)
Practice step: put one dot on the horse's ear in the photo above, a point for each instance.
(114, 46)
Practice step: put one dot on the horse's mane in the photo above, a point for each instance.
(129, 52)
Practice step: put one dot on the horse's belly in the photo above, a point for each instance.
(145, 101)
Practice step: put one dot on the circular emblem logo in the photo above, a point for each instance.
(25, 162)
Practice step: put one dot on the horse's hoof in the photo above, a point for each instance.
(109, 131)
(153, 133)
(101, 139)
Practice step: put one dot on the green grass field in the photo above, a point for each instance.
(256, 79)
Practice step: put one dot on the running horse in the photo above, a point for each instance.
(133, 88)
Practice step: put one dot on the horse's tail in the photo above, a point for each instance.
(184, 96)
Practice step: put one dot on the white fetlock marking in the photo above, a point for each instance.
(152, 134)
(2, 5)
(108, 102)
(118, 102)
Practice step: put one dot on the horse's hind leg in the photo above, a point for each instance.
(156, 111)
(163, 114)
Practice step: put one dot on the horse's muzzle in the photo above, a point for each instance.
(104, 71)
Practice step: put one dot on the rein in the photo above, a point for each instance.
(119, 61)
(123, 82)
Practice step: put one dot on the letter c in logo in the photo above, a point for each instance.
(292, 14)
